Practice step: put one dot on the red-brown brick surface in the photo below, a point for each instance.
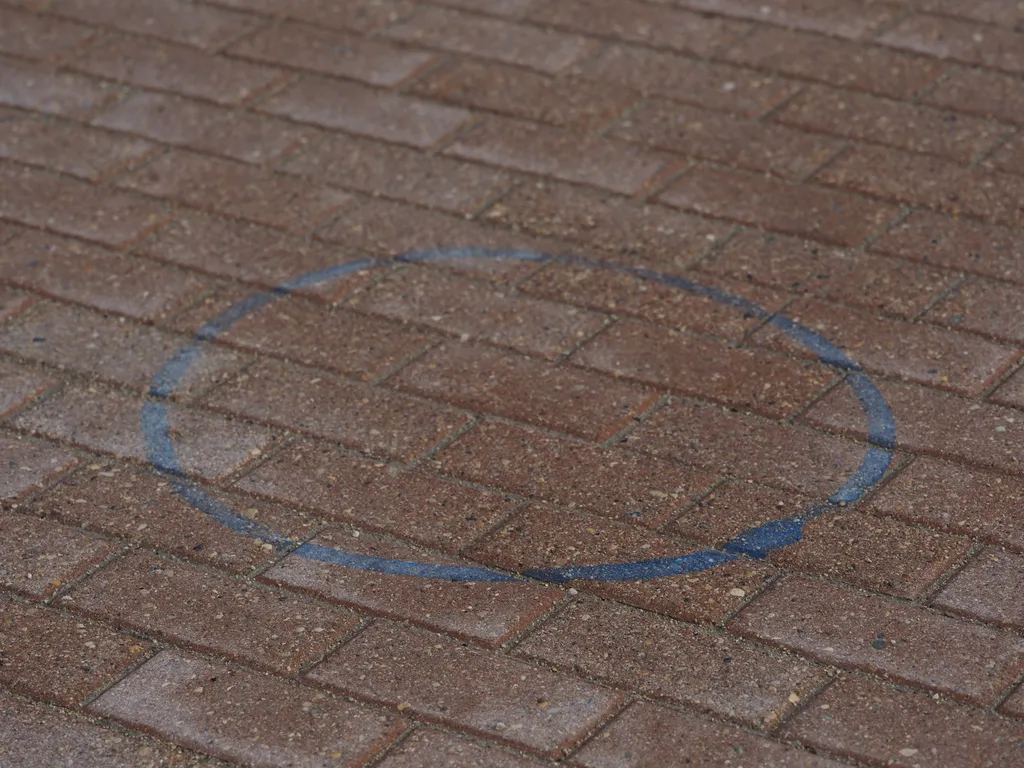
(512, 383)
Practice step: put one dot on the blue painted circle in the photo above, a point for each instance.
(755, 542)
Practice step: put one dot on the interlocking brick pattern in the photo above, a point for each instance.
(855, 166)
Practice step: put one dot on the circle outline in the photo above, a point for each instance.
(756, 542)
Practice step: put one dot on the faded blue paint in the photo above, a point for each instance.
(754, 543)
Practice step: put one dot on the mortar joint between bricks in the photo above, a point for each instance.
(564, 356)
(698, 498)
(768, 584)
(263, 23)
(838, 380)
(125, 548)
(1001, 378)
(938, 298)
(154, 650)
(999, 143)
(901, 215)
(600, 726)
(1005, 694)
(431, 453)
(257, 573)
(382, 754)
(364, 622)
(928, 595)
(637, 420)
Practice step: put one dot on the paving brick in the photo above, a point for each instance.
(892, 286)
(387, 228)
(916, 128)
(836, 62)
(556, 397)
(110, 421)
(972, 433)
(108, 281)
(472, 310)
(513, 9)
(54, 657)
(569, 101)
(931, 182)
(238, 190)
(879, 554)
(657, 26)
(401, 173)
(144, 508)
(103, 215)
(487, 613)
(885, 726)
(996, 12)
(812, 212)
(608, 482)
(986, 589)
(624, 294)
(906, 643)
(33, 734)
(909, 351)
(646, 235)
(354, 414)
(30, 36)
(957, 499)
(961, 40)
(539, 538)
(354, 108)
(358, 15)
(980, 92)
(835, 17)
(20, 384)
(645, 736)
(326, 337)
(42, 89)
(443, 680)
(713, 85)
(527, 46)
(30, 463)
(566, 155)
(426, 746)
(177, 68)
(673, 661)
(211, 612)
(697, 367)
(332, 52)
(202, 26)
(39, 556)
(247, 252)
(982, 306)
(747, 447)
(416, 505)
(720, 138)
(70, 148)
(244, 716)
(203, 126)
(956, 244)
(109, 348)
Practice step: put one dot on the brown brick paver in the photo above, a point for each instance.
(509, 509)
(261, 720)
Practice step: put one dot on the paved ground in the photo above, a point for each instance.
(732, 476)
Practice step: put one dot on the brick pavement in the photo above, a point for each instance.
(379, 518)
